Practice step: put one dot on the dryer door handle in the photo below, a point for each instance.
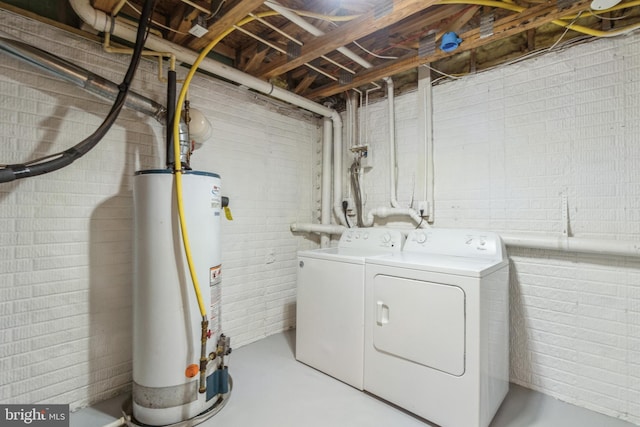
(382, 313)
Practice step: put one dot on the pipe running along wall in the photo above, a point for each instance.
(104, 23)
(384, 211)
(80, 77)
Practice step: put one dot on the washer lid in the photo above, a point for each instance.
(356, 256)
(461, 266)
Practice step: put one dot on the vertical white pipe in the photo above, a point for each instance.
(392, 143)
(425, 164)
(325, 210)
(337, 168)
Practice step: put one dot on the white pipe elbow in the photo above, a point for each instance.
(317, 228)
(384, 212)
(97, 19)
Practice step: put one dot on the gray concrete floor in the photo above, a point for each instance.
(272, 389)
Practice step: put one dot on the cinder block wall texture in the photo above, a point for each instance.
(509, 144)
(66, 237)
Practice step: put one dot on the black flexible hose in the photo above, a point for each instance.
(171, 113)
(34, 168)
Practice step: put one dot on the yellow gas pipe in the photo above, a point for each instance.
(178, 180)
(574, 27)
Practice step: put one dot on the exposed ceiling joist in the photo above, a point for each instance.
(505, 27)
(231, 17)
(391, 37)
(346, 33)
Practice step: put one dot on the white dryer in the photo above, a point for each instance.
(330, 302)
(437, 326)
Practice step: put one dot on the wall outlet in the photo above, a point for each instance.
(424, 207)
(351, 207)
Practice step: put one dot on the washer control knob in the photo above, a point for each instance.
(386, 238)
(421, 237)
(365, 236)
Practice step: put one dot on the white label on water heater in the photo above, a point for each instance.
(215, 279)
(216, 200)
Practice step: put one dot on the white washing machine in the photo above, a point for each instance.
(330, 302)
(437, 326)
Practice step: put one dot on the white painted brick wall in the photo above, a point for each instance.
(65, 238)
(508, 143)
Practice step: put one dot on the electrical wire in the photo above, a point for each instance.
(344, 211)
(213, 14)
(44, 164)
(372, 53)
(440, 72)
(604, 18)
(565, 32)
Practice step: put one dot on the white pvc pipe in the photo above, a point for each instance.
(395, 210)
(573, 244)
(318, 228)
(325, 200)
(337, 169)
(384, 212)
(298, 20)
(104, 23)
(392, 144)
(425, 164)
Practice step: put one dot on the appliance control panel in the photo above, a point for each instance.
(456, 242)
(372, 238)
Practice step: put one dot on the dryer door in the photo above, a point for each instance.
(420, 321)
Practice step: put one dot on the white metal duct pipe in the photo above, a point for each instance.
(325, 199)
(104, 23)
(80, 77)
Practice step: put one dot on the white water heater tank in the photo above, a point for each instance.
(166, 318)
